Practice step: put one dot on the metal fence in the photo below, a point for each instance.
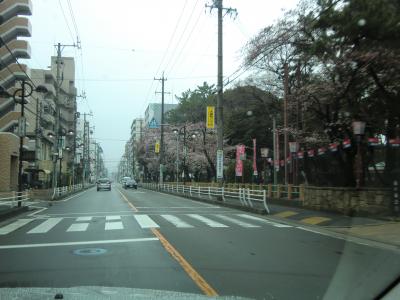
(239, 196)
(64, 190)
(12, 199)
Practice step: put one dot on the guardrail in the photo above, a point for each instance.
(14, 199)
(242, 196)
(63, 190)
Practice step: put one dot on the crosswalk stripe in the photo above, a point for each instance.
(110, 218)
(207, 221)
(236, 221)
(78, 227)
(264, 221)
(80, 219)
(46, 225)
(14, 226)
(145, 221)
(176, 221)
(114, 225)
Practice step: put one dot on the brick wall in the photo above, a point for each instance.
(9, 145)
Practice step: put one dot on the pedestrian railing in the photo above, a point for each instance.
(14, 199)
(64, 190)
(240, 196)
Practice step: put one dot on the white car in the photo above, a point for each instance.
(104, 184)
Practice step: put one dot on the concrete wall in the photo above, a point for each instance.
(9, 145)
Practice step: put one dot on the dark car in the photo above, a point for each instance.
(104, 184)
(131, 183)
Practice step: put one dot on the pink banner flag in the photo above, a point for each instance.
(240, 150)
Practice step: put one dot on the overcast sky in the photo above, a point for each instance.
(126, 43)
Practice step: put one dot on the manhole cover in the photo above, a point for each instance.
(89, 251)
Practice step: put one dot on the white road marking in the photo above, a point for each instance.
(183, 207)
(79, 243)
(94, 213)
(46, 225)
(78, 227)
(38, 211)
(80, 219)
(236, 221)
(110, 218)
(14, 226)
(313, 231)
(207, 221)
(265, 221)
(176, 221)
(114, 225)
(145, 221)
(76, 195)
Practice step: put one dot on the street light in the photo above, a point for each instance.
(358, 131)
(19, 97)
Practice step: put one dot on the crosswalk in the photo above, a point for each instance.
(36, 226)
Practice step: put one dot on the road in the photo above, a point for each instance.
(145, 239)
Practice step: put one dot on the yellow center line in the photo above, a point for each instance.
(196, 277)
(193, 274)
(127, 201)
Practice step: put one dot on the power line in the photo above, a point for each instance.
(182, 34)
(165, 53)
(66, 21)
(187, 40)
(73, 19)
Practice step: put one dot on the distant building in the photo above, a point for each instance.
(152, 115)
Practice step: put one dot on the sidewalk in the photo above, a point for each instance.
(388, 233)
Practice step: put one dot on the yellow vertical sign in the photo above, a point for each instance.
(157, 147)
(210, 116)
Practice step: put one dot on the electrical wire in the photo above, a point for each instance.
(66, 21)
(182, 34)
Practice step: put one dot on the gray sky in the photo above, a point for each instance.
(126, 43)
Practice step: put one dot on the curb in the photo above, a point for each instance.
(13, 212)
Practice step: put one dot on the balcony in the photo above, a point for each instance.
(12, 8)
(48, 118)
(19, 48)
(7, 79)
(15, 27)
(9, 120)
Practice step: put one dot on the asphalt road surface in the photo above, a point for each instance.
(149, 240)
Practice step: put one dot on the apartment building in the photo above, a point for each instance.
(152, 115)
(13, 25)
(135, 140)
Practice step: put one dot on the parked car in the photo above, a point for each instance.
(131, 183)
(125, 179)
(104, 184)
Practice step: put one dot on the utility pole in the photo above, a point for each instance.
(162, 79)
(57, 121)
(285, 121)
(22, 129)
(220, 116)
(56, 143)
(276, 155)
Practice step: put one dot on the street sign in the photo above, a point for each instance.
(157, 147)
(22, 126)
(153, 124)
(264, 152)
(220, 164)
(210, 117)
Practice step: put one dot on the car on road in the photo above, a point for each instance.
(104, 184)
(131, 183)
